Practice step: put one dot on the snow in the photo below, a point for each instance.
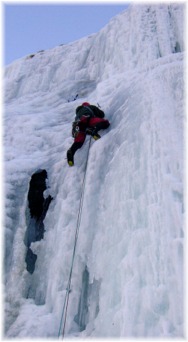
(128, 269)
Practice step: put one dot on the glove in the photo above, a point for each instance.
(75, 129)
(89, 130)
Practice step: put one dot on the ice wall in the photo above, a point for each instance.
(132, 39)
(127, 278)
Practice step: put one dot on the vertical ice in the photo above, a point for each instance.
(127, 278)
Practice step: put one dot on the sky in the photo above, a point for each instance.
(31, 27)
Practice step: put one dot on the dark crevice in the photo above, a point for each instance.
(38, 207)
(177, 47)
(88, 307)
(82, 315)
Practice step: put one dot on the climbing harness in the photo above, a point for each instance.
(68, 288)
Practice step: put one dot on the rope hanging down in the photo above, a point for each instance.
(65, 306)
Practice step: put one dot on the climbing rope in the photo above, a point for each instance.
(68, 288)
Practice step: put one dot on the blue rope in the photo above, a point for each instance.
(66, 301)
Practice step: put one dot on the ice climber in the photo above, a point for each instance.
(89, 120)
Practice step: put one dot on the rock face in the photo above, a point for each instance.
(38, 207)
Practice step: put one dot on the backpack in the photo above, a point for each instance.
(84, 111)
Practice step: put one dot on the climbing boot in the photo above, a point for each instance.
(95, 134)
(70, 157)
(92, 131)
